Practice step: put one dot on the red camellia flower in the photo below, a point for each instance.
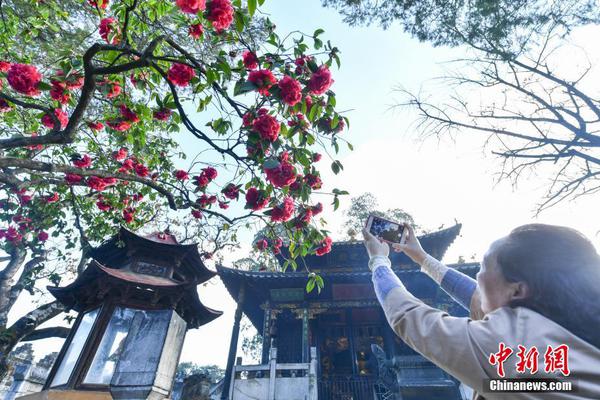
(261, 244)
(181, 74)
(110, 88)
(313, 181)
(95, 126)
(284, 211)
(223, 205)
(128, 114)
(73, 81)
(52, 199)
(121, 154)
(250, 60)
(163, 114)
(83, 162)
(197, 214)
(191, 6)
(210, 172)
(100, 4)
(291, 91)
(109, 30)
(63, 118)
(303, 219)
(119, 125)
(324, 247)
(73, 179)
(264, 79)
(59, 92)
(247, 119)
(316, 157)
(24, 79)
(204, 200)
(282, 175)
(196, 31)
(128, 165)
(220, 13)
(141, 170)
(267, 127)
(256, 199)
(320, 80)
(202, 181)
(4, 66)
(42, 236)
(128, 214)
(231, 191)
(181, 175)
(103, 206)
(96, 183)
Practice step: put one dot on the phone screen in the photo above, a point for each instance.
(384, 229)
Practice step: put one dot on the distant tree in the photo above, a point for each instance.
(508, 24)
(364, 205)
(251, 342)
(187, 368)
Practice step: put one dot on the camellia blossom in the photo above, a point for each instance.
(261, 244)
(121, 154)
(63, 118)
(196, 31)
(59, 92)
(42, 236)
(231, 191)
(128, 214)
(181, 74)
(181, 175)
(119, 125)
(141, 170)
(163, 114)
(264, 79)
(324, 246)
(317, 209)
(267, 127)
(256, 199)
(96, 183)
(191, 6)
(320, 80)
(4, 66)
(282, 175)
(250, 60)
(95, 125)
(4, 106)
(24, 79)
(100, 3)
(197, 214)
(128, 114)
(73, 179)
(220, 13)
(284, 211)
(110, 88)
(290, 89)
(52, 199)
(103, 206)
(83, 162)
(314, 181)
(109, 27)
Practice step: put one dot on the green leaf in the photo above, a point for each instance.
(318, 32)
(310, 285)
(242, 87)
(44, 86)
(271, 163)
(336, 167)
(251, 7)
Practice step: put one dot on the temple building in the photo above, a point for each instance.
(320, 345)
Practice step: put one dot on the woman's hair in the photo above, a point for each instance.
(562, 271)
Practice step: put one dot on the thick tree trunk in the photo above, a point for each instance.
(23, 327)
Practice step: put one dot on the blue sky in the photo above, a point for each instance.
(437, 181)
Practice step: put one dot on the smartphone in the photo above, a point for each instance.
(384, 229)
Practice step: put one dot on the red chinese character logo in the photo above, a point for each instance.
(557, 359)
(527, 360)
(499, 358)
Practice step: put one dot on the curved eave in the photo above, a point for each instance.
(258, 284)
(109, 251)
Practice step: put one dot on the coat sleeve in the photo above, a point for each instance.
(460, 346)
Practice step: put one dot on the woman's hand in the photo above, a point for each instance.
(375, 246)
(410, 245)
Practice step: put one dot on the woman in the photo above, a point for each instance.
(537, 287)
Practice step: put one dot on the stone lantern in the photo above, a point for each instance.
(136, 299)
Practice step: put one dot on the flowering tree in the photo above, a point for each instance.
(92, 98)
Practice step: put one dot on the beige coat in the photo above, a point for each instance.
(462, 346)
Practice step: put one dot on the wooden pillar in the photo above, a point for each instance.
(305, 349)
(235, 333)
(266, 334)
